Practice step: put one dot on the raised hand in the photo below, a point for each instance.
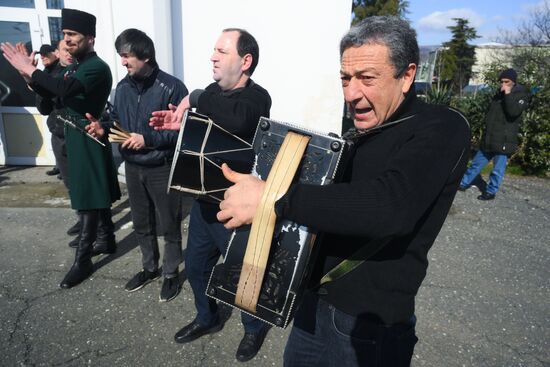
(170, 119)
(20, 46)
(18, 60)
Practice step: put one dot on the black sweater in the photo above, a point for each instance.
(237, 111)
(395, 196)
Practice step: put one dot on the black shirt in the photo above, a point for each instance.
(395, 196)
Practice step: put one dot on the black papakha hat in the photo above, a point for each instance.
(78, 21)
(46, 49)
(509, 74)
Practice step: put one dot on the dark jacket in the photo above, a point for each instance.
(394, 198)
(85, 88)
(502, 121)
(134, 102)
(48, 105)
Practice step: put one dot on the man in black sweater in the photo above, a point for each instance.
(235, 103)
(387, 211)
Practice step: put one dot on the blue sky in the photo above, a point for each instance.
(431, 17)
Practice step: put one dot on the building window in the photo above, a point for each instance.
(17, 3)
(56, 34)
(55, 4)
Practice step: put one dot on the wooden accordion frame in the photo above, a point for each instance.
(267, 265)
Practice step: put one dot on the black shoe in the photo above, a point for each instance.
(170, 289)
(104, 248)
(195, 330)
(75, 229)
(463, 188)
(250, 345)
(141, 279)
(486, 196)
(54, 171)
(78, 273)
(74, 242)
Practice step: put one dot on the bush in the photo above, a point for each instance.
(474, 106)
(439, 94)
(533, 154)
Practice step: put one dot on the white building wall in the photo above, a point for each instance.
(299, 60)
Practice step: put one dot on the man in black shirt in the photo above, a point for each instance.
(396, 192)
(236, 103)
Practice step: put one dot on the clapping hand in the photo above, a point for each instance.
(170, 119)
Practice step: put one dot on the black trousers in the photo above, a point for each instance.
(148, 201)
(60, 154)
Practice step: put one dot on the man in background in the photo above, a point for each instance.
(49, 56)
(500, 139)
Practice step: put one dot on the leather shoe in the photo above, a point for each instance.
(77, 274)
(250, 345)
(195, 330)
(74, 242)
(104, 248)
(75, 229)
(54, 171)
(486, 196)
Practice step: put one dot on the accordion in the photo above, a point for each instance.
(273, 285)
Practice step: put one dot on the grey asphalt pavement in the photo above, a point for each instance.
(485, 300)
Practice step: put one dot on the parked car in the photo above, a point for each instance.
(476, 88)
(422, 88)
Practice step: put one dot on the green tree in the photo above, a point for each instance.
(361, 9)
(458, 57)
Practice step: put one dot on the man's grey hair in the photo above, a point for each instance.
(393, 32)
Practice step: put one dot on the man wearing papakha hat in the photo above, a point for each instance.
(85, 87)
(500, 139)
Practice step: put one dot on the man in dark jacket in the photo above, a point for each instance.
(50, 106)
(148, 155)
(396, 192)
(236, 103)
(500, 139)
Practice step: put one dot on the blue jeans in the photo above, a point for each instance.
(479, 162)
(207, 239)
(324, 336)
